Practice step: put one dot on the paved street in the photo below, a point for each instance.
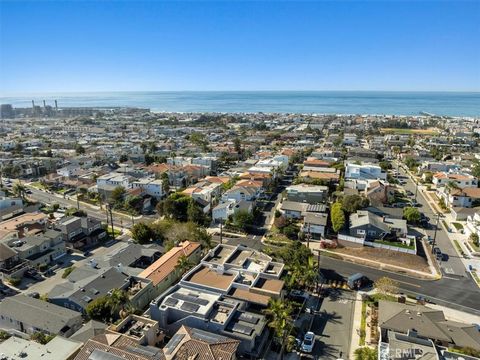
(42, 196)
(454, 265)
(457, 292)
(333, 325)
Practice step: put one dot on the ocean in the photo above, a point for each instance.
(319, 102)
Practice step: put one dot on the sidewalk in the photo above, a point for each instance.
(357, 319)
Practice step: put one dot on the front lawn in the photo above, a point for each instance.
(457, 226)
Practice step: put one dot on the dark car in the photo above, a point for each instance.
(436, 250)
(33, 274)
(445, 257)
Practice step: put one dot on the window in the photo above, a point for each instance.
(361, 232)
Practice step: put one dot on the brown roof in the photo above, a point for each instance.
(211, 278)
(161, 268)
(250, 296)
(319, 175)
(19, 221)
(271, 285)
(196, 347)
(250, 183)
(218, 179)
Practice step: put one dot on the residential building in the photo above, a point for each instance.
(191, 342)
(76, 293)
(461, 180)
(163, 273)
(81, 232)
(314, 224)
(151, 187)
(59, 348)
(30, 315)
(41, 249)
(10, 207)
(426, 323)
(365, 171)
(366, 225)
(311, 194)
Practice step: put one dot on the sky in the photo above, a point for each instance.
(107, 45)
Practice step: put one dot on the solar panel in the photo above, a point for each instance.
(242, 329)
(171, 302)
(189, 298)
(249, 318)
(189, 307)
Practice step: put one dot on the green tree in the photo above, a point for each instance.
(117, 300)
(117, 196)
(79, 149)
(68, 271)
(428, 177)
(144, 147)
(237, 144)
(352, 203)
(41, 337)
(142, 233)
(474, 238)
(279, 320)
(19, 190)
(99, 309)
(175, 206)
(242, 219)
(411, 163)
(183, 264)
(385, 165)
(337, 216)
(366, 353)
(123, 158)
(194, 213)
(412, 215)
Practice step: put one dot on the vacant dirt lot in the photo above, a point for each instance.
(407, 261)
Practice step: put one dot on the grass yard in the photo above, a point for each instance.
(409, 131)
(457, 225)
(363, 324)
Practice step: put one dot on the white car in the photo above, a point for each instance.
(308, 342)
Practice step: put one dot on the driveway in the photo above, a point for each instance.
(333, 325)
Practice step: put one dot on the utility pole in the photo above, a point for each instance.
(416, 189)
(435, 233)
(221, 230)
(78, 202)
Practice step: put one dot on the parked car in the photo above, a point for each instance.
(33, 274)
(308, 342)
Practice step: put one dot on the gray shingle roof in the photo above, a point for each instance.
(39, 313)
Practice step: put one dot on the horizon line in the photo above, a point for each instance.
(17, 93)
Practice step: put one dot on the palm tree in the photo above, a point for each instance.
(19, 189)
(280, 322)
(183, 264)
(117, 300)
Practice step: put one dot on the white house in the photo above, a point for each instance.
(462, 180)
(69, 170)
(239, 193)
(115, 179)
(223, 210)
(152, 187)
(366, 171)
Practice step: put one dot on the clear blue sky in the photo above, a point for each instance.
(236, 45)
